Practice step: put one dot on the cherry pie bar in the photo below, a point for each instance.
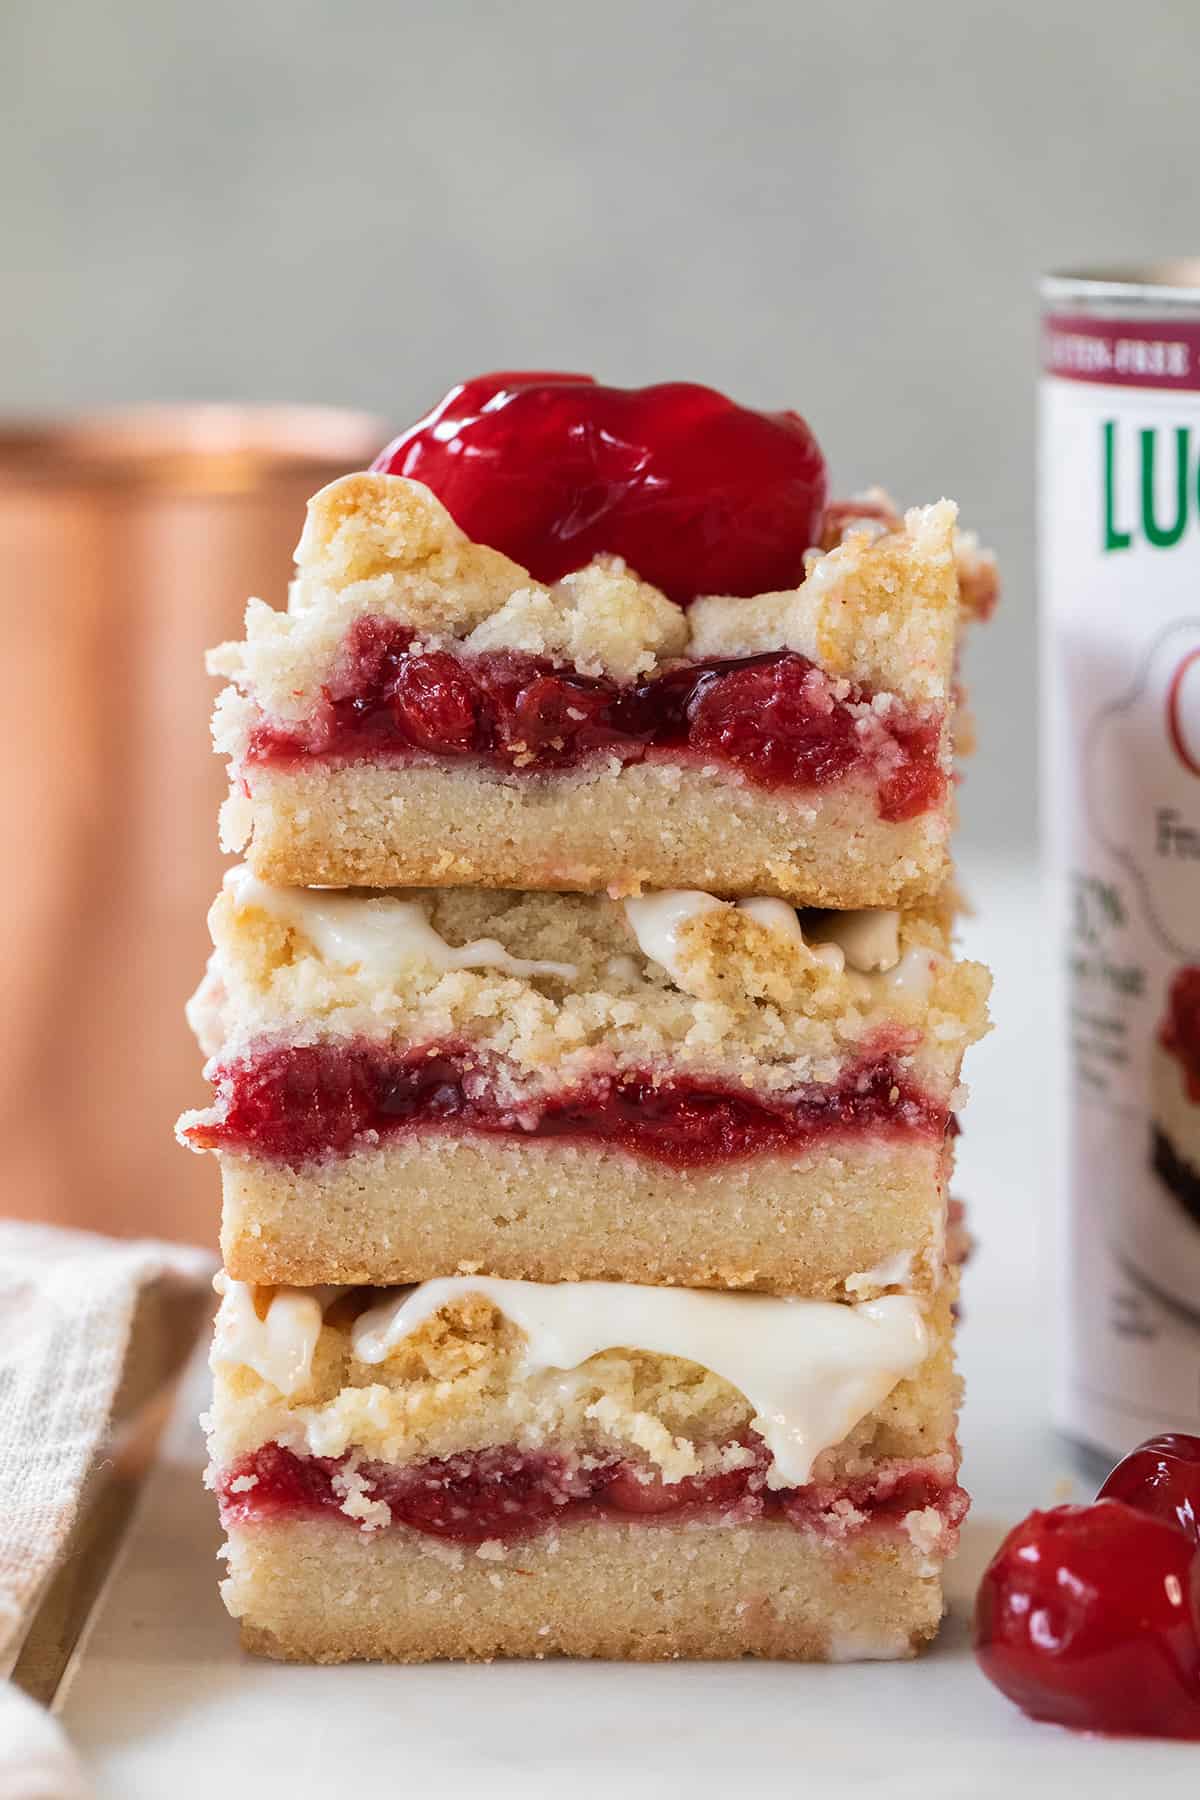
(522, 653)
(585, 1034)
(553, 1087)
(474, 1468)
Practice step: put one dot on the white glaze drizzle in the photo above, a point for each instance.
(380, 934)
(892, 1271)
(279, 1346)
(778, 916)
(657, 919)
(913, 974)
(869, 939)
(866, 940)
(810, 1368)
(775, 915)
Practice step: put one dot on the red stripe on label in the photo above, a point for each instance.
(1143, 353)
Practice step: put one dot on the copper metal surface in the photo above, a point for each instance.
(128, 545)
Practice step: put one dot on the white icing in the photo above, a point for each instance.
(867, 942)
(913, 974)
(379, 935)
(810, 1368)
(623, 968)
(867, 1646)
(776, 915)
(279, 1346)
(868, 939)
(832, 955)
(656, 921)
(892, 1271)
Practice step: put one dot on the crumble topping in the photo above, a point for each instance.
(603, 621)
(745, 999)
(454, 1385)
(880, 610)
(877, 609)
(356, 1498)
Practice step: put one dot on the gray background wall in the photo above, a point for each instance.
(840, 208)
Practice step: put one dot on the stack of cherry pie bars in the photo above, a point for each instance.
(586, 1040)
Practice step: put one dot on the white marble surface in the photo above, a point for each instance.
(161, 1701)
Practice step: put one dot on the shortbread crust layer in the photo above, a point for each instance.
(608, 828)
(313, 1591)
(840, 1221)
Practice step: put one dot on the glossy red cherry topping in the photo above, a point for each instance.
(1180, 1032)
(1162, 1476)
(700, 496)
(295, 1102)
(1089, 1616)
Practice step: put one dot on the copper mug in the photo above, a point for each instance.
(128, 545)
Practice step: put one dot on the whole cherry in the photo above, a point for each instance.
(1089, 1616)
(699, 495)
(1162, 1476)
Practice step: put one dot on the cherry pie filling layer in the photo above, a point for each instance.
(508, 1494)
(296, 1102)
(775, 719)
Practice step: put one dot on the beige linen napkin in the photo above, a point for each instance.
(68, 1302)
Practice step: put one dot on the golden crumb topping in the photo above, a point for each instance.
(766, 1007)
(878, 609)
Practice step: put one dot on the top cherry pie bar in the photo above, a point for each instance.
(571, 637)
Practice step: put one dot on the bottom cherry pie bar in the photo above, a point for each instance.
(475, 1468)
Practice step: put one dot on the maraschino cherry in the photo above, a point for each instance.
(699, 496)
(1162, 1476)
(1089, 1616)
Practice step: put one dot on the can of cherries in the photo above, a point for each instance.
(1119, 509)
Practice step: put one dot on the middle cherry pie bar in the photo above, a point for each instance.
(426, 713)
(672, 1089)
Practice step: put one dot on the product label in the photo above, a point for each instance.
(1130, 353)
(1120, 583)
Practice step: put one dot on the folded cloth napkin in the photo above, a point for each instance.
(68, 1301)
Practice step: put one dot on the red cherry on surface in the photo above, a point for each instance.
(1089, 1616)
(700, 496)
(1162, 1476)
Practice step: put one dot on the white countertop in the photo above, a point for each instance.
(160, 1701)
